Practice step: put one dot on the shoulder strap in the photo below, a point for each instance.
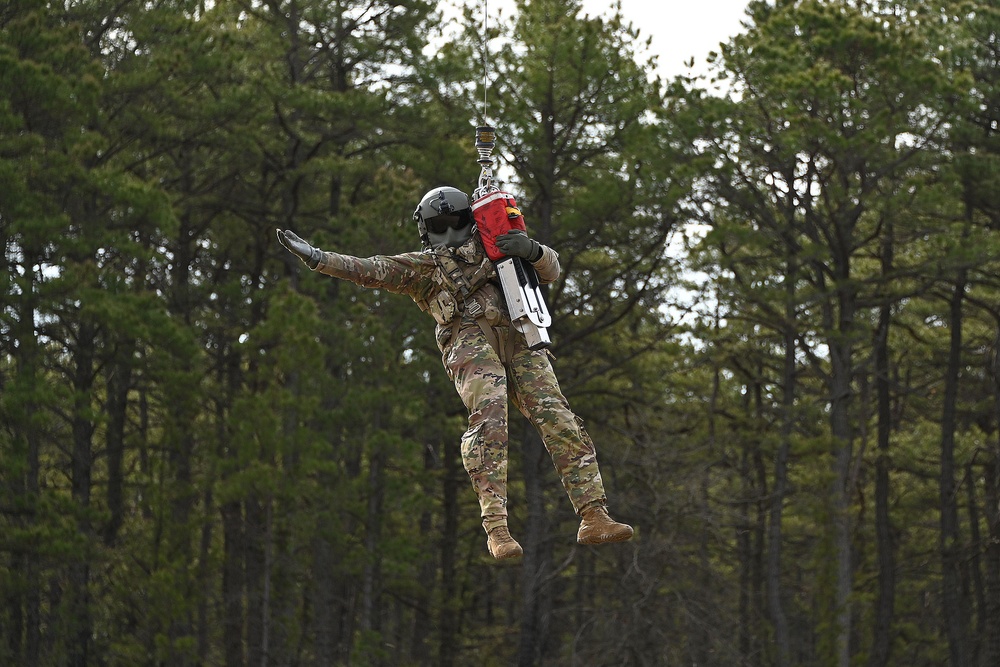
(454, 277)
(457, 282)
(462, 286)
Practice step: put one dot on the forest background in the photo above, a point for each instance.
(779, 318)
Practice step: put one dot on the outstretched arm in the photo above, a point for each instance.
(409, 273)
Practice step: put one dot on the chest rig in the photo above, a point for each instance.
(461, 276)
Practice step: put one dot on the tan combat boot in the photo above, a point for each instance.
(501, 544)
(599, 528)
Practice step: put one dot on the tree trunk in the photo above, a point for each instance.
(25, 603)
(323, 594)
(758, 573)
(233, 538)
(205, 576)
(233, 583)
(537, 557)
(975, 564)
(256, 576)
(80, 614)
(775, 605)
(842, 500)
(885, 549)
(285, 570)
(422, 620)
(452, 481)
(952, 602)
(371, 582)
(118, 384)
(838, 316)
(991, 652)
(744, 547)
(182, 415)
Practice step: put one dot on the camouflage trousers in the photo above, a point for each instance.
(485, 384)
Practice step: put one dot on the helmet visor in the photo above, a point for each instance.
(440, 224)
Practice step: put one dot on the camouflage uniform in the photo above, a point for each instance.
(488, 360)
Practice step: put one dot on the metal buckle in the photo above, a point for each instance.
(473, 308)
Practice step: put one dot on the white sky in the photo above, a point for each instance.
(680, 29)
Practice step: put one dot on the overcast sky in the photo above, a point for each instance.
(680, 29)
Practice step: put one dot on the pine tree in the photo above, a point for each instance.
(813, 168)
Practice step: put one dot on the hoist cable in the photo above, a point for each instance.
(486, 49)
(485, 135)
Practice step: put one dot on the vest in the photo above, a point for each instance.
(460, 283)
(457, 284)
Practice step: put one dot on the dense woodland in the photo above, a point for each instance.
(779, 317)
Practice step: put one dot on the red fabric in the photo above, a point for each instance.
(496, 214)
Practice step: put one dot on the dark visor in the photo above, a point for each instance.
(439, 224)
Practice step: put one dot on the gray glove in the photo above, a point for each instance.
(517, 244)
(308, 254)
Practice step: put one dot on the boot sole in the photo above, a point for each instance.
(513, 554)
(608, 538)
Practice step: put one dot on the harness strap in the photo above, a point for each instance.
(494, 340)
(508, 348)
(456, 324)
(464, 287)
(505, 352)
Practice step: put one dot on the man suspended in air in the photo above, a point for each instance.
(488, 357)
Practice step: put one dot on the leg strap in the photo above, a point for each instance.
(505, 352)
(491, 336)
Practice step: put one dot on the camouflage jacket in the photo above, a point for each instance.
(445, 282)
